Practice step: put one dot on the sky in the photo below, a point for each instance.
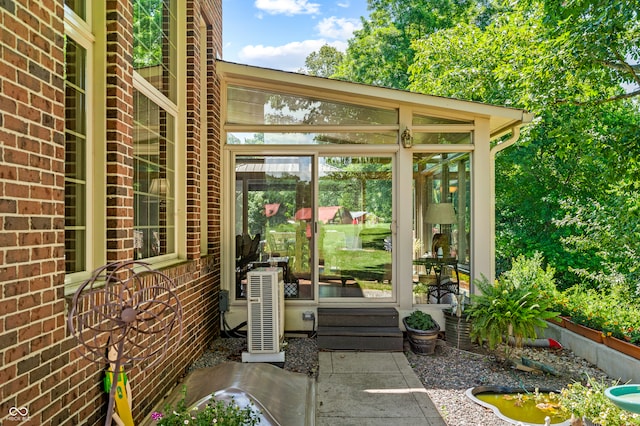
(280, 34)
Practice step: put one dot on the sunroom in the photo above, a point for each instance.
(364, 196)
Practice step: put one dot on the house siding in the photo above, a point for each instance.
(41, 368)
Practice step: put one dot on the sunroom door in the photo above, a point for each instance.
(273, 197)
(354, 218)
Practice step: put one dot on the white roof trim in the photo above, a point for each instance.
(501, 119)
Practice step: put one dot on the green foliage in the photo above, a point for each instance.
(610, 311)
(579, 148)
(380, 53)
(215, 412)
(324, 62)
(589, 401)
(419, 320)
(514, 305)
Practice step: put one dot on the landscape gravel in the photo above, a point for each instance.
(446, 374)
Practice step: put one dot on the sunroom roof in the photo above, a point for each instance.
(501, 119)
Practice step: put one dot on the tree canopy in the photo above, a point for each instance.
(569, 187)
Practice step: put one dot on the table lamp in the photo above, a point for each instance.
(442, 214)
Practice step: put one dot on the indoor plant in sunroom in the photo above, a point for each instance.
(422, 331)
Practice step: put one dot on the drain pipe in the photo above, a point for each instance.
(515, 135)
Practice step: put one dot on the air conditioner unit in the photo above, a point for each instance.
(265, 315)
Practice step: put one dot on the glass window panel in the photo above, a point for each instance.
(441, 138)
(329, 138)
(154, 179)
(425, 120)
(154, 44)
(442, 223)
(271, 193)
(75, 187)
(255, 106)
(78, 7)
(354, 235)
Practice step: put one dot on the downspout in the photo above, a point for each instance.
(515, 135)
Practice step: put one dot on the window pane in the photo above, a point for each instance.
(441, 138)
(354, 219)
(154, 179)
(75, 183)
(270, 193)
(361, 138)
(254, 106)
(442, 224)
(154, 44)
(425, 120)
(78, 7)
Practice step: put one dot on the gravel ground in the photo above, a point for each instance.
(446, 374)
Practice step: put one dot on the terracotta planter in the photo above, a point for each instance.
(587, 332)
(623, 346)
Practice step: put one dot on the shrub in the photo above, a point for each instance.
(589, 401)
(515, 305)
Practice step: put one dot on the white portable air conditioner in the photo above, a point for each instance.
(265, 315)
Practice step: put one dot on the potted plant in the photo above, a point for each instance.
(514, 305)
(420, 292)
(422, 331)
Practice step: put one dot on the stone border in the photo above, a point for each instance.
(616, 364)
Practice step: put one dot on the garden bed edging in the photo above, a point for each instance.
(616, 364)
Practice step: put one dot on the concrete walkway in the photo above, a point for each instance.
(371, 388)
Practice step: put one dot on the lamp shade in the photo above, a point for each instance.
(441, 213)
(159, 186)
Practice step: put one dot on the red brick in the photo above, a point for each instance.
(16, 353)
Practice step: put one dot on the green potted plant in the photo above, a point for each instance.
(514, 305)
(422, 331)
(420, 292)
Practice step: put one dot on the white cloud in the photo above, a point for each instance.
(288, 7)
(344, 4)
(338, 28)
(288, 57)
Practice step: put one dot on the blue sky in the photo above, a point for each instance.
(280, 34)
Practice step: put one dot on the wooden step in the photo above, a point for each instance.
(381, 339)
(363, 329)
(362, 317)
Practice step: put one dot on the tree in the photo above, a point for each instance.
(380, 53)
(324, 62)
(579, 147)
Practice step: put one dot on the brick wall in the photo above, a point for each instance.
(40, 367)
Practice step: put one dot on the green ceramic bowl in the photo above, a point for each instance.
(626, 397)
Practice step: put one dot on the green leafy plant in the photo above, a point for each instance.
(609, 311)
(588, 401)
(215, 412)
(419, 320)
(514, 305)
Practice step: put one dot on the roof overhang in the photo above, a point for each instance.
(501, 119)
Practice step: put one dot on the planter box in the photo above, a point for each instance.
(587, 332)
(558, 321)
(623, 346)
(457, 331)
